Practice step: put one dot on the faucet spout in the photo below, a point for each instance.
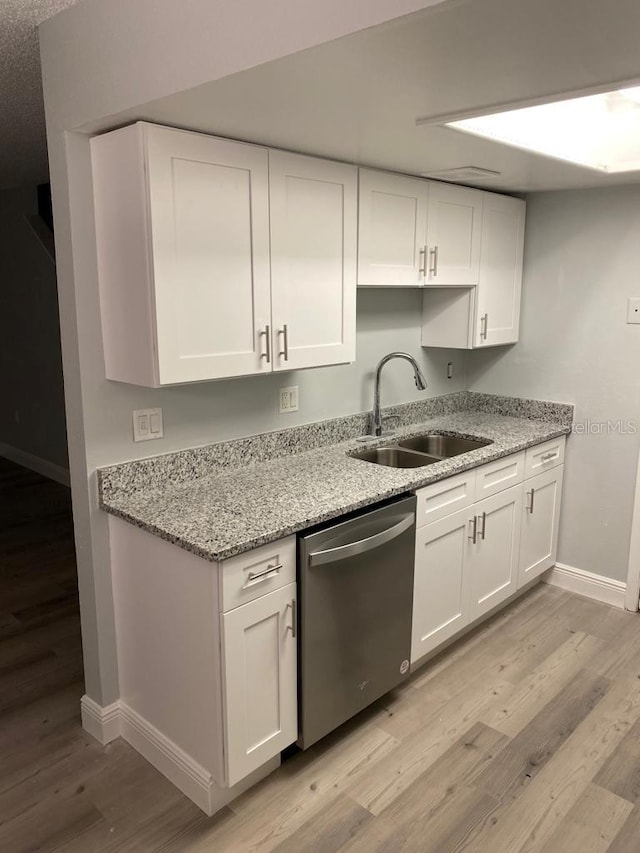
(418, 376)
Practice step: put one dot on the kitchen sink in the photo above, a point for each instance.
(395, 457)
(420, 450)
(442, 446)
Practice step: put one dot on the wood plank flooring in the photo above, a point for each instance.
(523, 737)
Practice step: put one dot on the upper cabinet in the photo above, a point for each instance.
(488, 314)
(313, 260)
(215, 257)
(497, 304)
(453, 235)
(417, 233)
(392, 229)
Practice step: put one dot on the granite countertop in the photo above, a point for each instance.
(230, 509)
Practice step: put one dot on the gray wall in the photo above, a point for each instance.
(205, 412)
(31, 390)
(582, 262)
(89, 72)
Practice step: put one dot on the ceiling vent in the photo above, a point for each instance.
(463, 173)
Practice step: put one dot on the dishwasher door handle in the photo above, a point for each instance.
(361, 546)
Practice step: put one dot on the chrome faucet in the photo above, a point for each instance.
(421, 384)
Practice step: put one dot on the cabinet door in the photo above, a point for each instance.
(494, 566)
(453, 235)
(540, 521)
(392, 229)
(497, 308)
(440, 592)
(209, 215)
(260, 681)
(313, 261)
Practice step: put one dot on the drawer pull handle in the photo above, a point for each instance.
(294, 618)
(484, 525)
(547, 457)
(433, 269)
(474, 529)
(484, 322)
(284, 352)
(267, 337)
(423, 262)
(258, 577)
(530, 495)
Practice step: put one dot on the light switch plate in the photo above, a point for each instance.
(147, 424)
(633, 310)
(289, 399)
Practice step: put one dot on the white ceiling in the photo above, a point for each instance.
(23, 153)
(359, 98)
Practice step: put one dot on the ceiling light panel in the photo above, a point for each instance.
(600, 132)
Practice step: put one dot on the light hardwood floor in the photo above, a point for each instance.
(525, 736)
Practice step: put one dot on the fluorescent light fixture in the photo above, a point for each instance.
(600, 132)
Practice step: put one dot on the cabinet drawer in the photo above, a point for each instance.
(545, 456)
(444, 497)
(251, 575)
(499, 475)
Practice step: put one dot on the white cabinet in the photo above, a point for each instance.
(207, 659)
(205, 245)
(499, 475)
(495, 540)
(392, 229)
(440, 593)
(313, 261)
(489, 314)
(540, 523)
(413, 232)
(497, 303)
(543, 457)
(481, 535)
(445, 497)
(182, 233)
(453, 235)
(260, 679)
(466, 564)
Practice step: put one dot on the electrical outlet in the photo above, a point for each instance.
(147, 424)
(289, 399)
(633, 310)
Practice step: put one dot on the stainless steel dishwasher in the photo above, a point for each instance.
(356, 596)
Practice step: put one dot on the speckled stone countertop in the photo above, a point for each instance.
(231, 508)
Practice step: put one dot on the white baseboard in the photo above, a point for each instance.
(35, 463)
(119, 720)
(102, 723)
(185, 773)
(594, 586)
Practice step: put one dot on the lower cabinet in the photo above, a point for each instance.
(540, 523)
(470, 561)
(260, 681)
(466, 564)
(495, 535)
(440, 594)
